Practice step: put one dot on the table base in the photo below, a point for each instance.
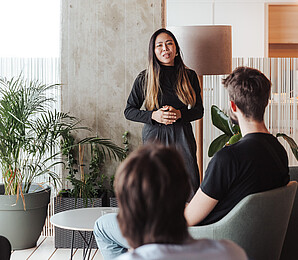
(87, 244)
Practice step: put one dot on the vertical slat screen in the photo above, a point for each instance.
(46, 71)
(281, 113)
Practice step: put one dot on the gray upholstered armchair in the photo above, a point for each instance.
(258, 223)
(290, 250)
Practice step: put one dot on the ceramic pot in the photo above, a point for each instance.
(23, 227)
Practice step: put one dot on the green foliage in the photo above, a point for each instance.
(29, 133)
(125, 142)
(112, 191)
(291, 142)
(92, 183)
(231, 135)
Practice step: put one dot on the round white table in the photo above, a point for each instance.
(81, 220)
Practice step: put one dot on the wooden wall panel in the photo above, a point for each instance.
(283, 23)
(283, 50)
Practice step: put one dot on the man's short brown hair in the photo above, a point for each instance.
(152, 187)
(250, 89)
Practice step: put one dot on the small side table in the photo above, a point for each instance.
(81, 220)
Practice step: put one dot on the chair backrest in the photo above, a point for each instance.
(258, 223)
(5, 248)
(289, 249)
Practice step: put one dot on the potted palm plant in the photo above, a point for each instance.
(30, 132)
(86, 159)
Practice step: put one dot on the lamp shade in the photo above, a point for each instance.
(206, 49)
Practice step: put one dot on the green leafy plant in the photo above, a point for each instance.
(112, 191)
(125, 142)
(92, 183)
(291, 142)
(30, 133)
(231, 133)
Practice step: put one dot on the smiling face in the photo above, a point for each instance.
(165, 49)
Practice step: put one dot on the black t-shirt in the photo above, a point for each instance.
(258, 162)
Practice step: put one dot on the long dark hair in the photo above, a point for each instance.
(184, 89)
(152, 187)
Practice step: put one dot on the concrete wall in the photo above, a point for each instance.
(104, 47)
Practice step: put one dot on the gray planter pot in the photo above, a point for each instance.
(113, 202)
(63, 236)
(23, 227)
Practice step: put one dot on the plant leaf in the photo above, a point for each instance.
(235, 138)
(109, 149)
(236, 129)
(291, 142)
(221, 120)
(217, 144)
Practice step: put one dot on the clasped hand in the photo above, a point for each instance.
(166, 115)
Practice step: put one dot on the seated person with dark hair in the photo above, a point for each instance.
(257, 163)
(152, 187)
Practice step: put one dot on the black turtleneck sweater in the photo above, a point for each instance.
(168, 78)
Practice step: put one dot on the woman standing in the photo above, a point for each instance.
(171, 96)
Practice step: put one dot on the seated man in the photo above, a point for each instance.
(152, 187)
(258, 162)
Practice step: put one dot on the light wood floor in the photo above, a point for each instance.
(45, 249)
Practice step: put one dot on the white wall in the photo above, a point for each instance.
(29, 28)
(248, 20)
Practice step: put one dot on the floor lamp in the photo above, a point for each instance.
(207, 50)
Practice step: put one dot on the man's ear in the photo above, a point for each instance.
(233, 106)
